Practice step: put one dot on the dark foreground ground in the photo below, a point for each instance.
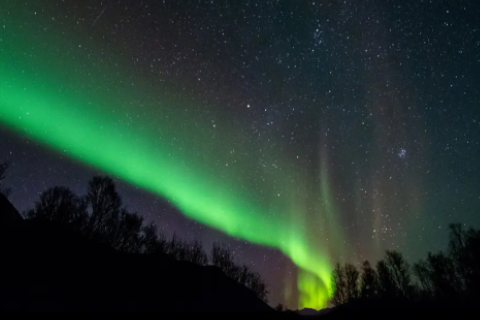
(47, 267)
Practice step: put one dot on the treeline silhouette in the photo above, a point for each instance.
(4, 190)
(100, 216)
(450, 278)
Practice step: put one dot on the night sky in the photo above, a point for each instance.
(300, 133)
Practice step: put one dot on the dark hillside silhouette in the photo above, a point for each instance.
(88, 253)
(9, 216)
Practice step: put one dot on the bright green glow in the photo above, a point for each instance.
(314, 293)
(49, 98)
(96, 139)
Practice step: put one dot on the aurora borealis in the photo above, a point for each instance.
(318, 131)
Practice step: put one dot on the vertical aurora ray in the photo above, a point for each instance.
(51, 98)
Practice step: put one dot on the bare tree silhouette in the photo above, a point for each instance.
(400, 273)
(351, 276)
(61, 205)
(104, 204)
(6, 191)
(339, 282)
(368, 281)
(223, 258)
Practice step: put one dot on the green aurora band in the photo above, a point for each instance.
(53, 99)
